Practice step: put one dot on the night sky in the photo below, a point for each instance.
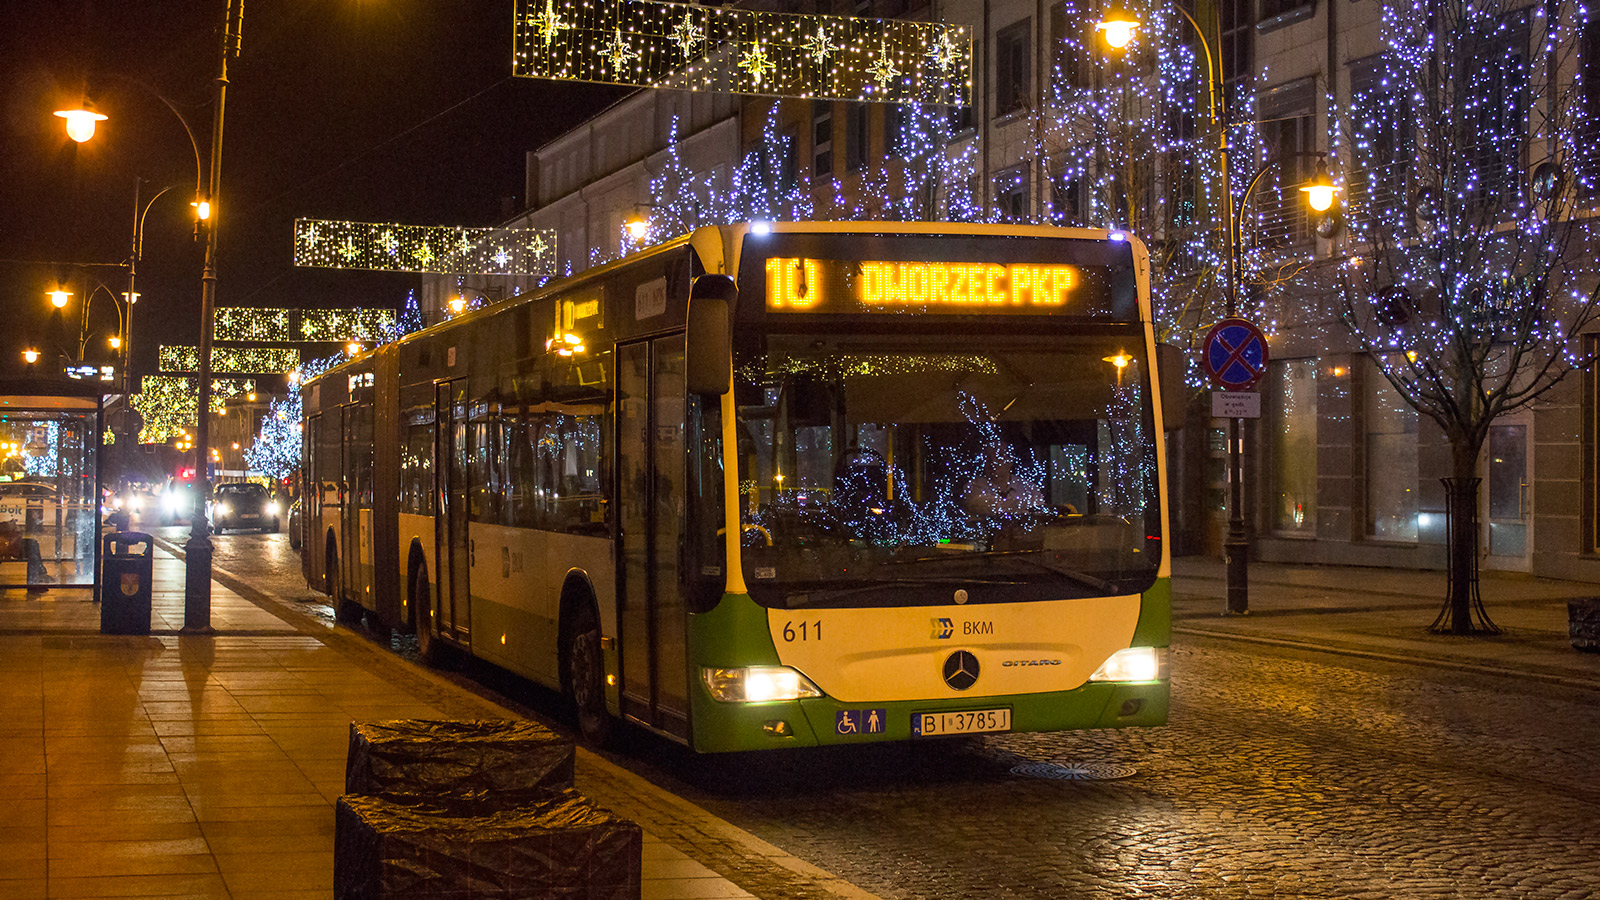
(374, 110)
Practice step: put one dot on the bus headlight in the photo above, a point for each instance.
(1134, 664)
(758, 684)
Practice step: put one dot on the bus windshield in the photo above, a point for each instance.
(923, 471)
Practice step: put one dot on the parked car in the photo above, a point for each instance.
(243, 504)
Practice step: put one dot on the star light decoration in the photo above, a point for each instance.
(427, 249)
(653, 43)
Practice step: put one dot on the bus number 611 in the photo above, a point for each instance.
(806, 631)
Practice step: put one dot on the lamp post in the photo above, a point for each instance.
(1119, 27)
(198, 549)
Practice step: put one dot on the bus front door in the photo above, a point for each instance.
(451, 543)
(650, 493)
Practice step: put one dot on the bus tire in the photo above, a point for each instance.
(586, 680)
(430, 649)
(345, 612)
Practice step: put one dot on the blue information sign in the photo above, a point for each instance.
(1236, 354)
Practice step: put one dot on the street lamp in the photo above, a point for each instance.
(1119, 26)
(198, 549)
(58, 298)
(80, 122)
(30, 356)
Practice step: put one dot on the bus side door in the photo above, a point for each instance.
(650, 493)
(451, 546)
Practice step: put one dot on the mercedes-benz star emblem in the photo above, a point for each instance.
(961, 670)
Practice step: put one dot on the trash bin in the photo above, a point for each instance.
(124, 585)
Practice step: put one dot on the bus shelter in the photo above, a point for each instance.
(50, 438)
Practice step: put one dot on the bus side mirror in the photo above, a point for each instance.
(1169, 371)
(710, 345)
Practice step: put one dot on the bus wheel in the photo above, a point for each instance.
(586, 680)
(429, 647)
(345, 612)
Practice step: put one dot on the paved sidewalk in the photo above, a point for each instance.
(1385, 613)
(207, 767)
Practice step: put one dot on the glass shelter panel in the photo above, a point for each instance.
(49, 496)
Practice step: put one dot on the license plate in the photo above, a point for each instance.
(250, 516)
(972, 721)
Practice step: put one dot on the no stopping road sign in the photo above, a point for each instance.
(1235, 354)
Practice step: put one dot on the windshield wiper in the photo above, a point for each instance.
(1082, 579)
(816, 596)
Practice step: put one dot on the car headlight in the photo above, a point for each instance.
(222, 509)
(170, 501)
(135, 504)
(1134, 664)
(272, 509)
(758, 684)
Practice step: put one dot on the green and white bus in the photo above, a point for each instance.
(769, 486)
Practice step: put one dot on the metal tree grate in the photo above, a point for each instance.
(1075, 771)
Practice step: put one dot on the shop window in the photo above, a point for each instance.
(1391, 459)
(1293, 441)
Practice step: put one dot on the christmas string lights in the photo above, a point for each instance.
(168, 403)
(230, 360)
(649, 43)
(429, 249)
(262, 325)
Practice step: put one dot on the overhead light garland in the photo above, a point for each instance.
(168, 403)
(264, 325)
(428, 249)
(651, 43)
(230, 360)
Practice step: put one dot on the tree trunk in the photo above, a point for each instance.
(1463, 611)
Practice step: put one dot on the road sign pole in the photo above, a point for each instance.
(1236, 358)
(1236, 548)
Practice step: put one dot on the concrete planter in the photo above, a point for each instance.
(1583, 623)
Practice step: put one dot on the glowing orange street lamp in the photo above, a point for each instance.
(58, 298)
(80, 122)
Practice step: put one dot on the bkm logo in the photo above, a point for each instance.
(943, 629)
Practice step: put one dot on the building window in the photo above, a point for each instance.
(1586, 161)
(1391, 458)
(857, 132)
(1013, 67)
(1293, 439)
(1011, 193)
(894, 126)
(1238, 33)
(788, 159)
(1072, 35)
(1287, 115)
(1066, 198)
(821, 139)
(1499, 122)
(1383, 144)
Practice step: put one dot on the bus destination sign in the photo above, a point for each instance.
(803, 285)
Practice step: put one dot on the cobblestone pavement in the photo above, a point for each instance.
(1282, 774)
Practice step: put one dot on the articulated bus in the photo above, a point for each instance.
(769, 486)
